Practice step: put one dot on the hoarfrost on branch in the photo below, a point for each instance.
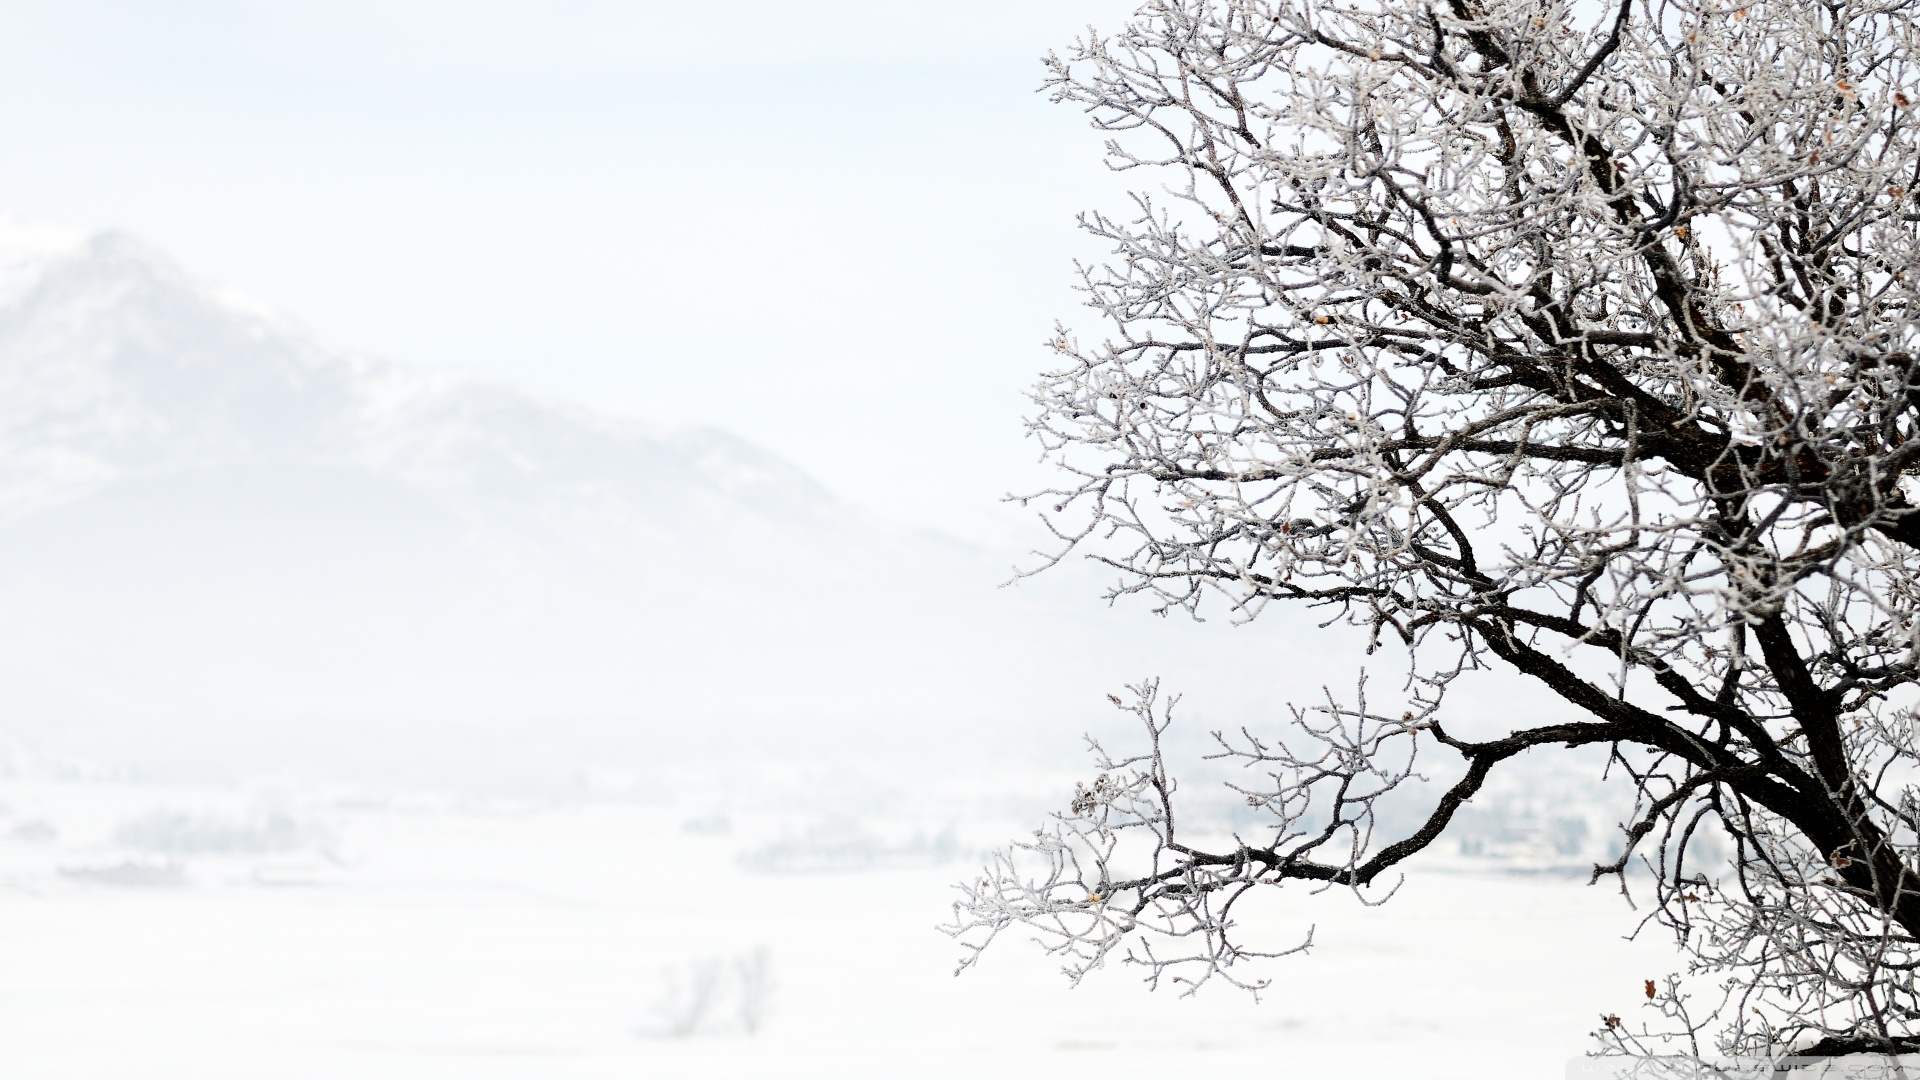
(1572, 341)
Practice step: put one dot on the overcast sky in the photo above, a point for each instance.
(842, 228)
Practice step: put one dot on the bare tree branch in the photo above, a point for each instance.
(1576, 344)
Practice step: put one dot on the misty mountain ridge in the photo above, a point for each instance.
(117, 367)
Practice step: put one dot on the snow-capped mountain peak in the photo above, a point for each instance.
(116, 364)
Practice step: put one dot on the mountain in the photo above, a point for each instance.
(222, 540)
(115, 366)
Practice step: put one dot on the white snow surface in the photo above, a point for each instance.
(426, 937)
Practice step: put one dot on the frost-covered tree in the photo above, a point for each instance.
(1572, 341)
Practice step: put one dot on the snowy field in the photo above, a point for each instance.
(229, 933)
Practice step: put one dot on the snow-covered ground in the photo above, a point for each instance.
(250, 932)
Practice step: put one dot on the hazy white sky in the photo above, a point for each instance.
(840, 228)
